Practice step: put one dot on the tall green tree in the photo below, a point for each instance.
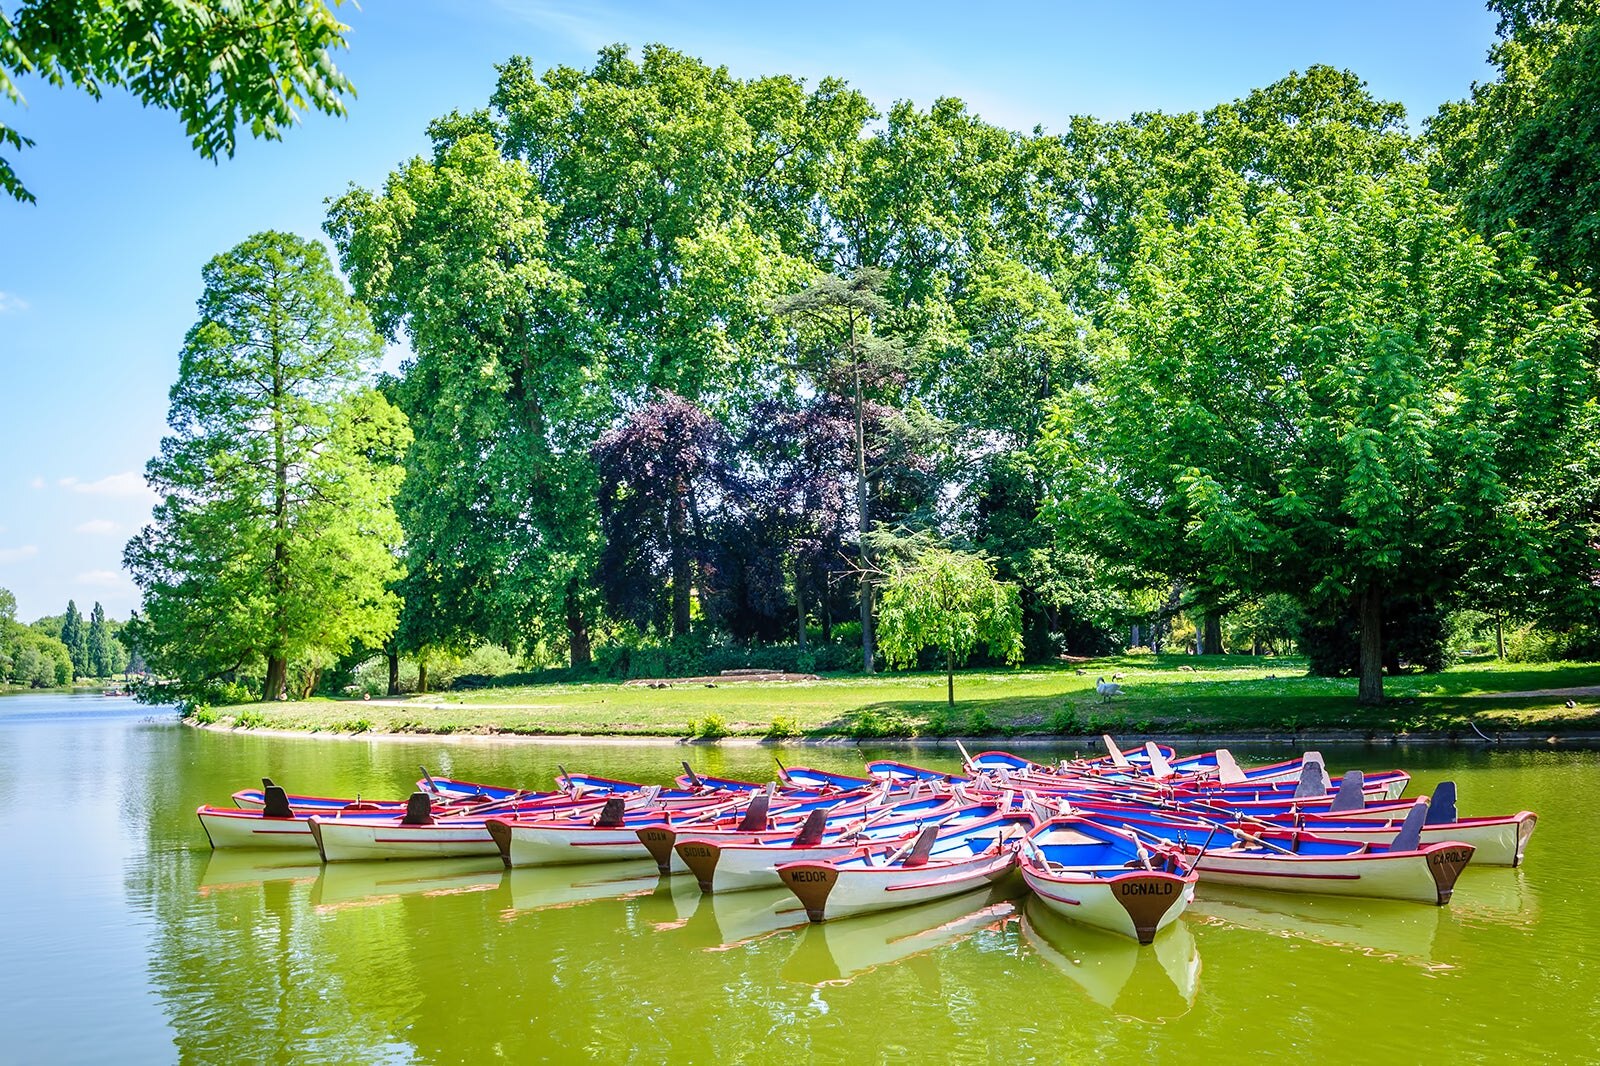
(105, 654)
(274, 541)
(950, 601)
(220, 64)
(837, 343)
(75, 635)
(1345, 395)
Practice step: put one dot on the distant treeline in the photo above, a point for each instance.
(57, 649)
(702, 363)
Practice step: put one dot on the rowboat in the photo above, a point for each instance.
(932, 866)
(730, 862)
(614, 836)
(1286, 861)
(1103, 877)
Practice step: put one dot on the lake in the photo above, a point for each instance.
(124, 938)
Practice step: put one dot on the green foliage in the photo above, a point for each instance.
(1513, 153)
(711, 727)
(950, 601)
(1065, 721)
(979, 723)
(218, 65)
(782, 727)
(204, 714)
(273, 546)
(1356, 425)
(250, 718)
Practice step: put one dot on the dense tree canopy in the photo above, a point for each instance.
(1346, 397)
(693, 357)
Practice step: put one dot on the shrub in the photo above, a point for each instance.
(711, 727)
(250, 719)
(354, 725)
(1065, 720)
(783, 727)
(204, 714)
(979, 723)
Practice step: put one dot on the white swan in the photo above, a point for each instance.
(1106, 689)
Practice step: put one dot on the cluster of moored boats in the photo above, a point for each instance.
(1118, 842)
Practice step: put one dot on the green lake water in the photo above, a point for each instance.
(123, 938)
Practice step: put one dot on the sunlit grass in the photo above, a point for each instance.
(1161, 694)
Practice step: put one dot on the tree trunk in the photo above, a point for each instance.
(394, 672)
(1370, 613)
(950, 677)
(312, 677)
(277, 677)
(800, 601)
(863, 527)
(422, 676)
(1214, 634)
(825, 604)
(1133, 635)
(1499, 638)
(677, 529)
(578, 648)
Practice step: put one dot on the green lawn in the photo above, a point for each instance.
(1165, 694)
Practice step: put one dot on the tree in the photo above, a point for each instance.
(218, 64)
(836, 343)
(274, 541)
(658, 472)
(1346, 397)
(1518, 152)
(105, 654)
(950, 601)
(75, 635)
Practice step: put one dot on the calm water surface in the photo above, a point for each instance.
(123, 938)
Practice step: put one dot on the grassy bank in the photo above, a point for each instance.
(1166, 694)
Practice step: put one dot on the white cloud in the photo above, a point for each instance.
(11, 303)
(36, 483)
(98, 527)
(129, 485)
(586, 25)
(16, 555)
(111, 578)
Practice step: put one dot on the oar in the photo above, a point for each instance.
(565, 777)
(432, 787)
(966, 759)
(782, 770)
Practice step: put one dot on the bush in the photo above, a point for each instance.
(354, 725)
(871, 724)
(979, 724)
(204, 714)
(1065, 721)
(783, 727)
(711, 727)
(250, 719)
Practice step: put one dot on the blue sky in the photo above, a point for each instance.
(98, 280)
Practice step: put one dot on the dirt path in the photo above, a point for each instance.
(1575, 690)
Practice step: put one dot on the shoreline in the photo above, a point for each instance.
(1375, 739)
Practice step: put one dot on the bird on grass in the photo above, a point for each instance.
(1106, 689)
(1118, 676)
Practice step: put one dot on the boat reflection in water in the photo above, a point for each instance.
(535, 888)
(345, 884)
(1374, 927)
(1495, 896)
(835, 952)
(227, 871)
(1152, 982)
(725, 920)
